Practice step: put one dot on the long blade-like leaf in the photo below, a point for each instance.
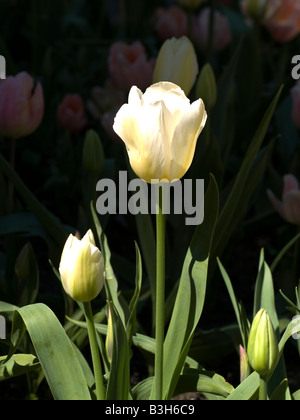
(54, 351)
(191, 294)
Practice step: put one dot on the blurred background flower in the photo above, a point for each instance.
(21, 106)
(221, 36)
(289, 207)
(129, 65)
(283, 19)
(172, 22)
(71, 113)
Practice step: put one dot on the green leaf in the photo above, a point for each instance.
(193, 380)
(118, 386)
(135, 298)
(282, 253)
(111, 283)
(292, 328)
(244, 325)
(228, 217)
(142, 391)
(264, 296)
(296, 395)
(54, 351)
(191, 294)
(281, 392)
(224, 88)
(246, 390)
(29, 278)
(18, 364)
(49, 222)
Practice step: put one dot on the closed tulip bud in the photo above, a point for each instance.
(189, 4)
(263, 350)
(177, 63)
(109, 337)
(93, 153)
(160, 130)
(82, 268)
(244, 366)
(207, 86)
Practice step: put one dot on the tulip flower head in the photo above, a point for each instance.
(82, 268)
(289, 207)
(160, 129)
(21, 106)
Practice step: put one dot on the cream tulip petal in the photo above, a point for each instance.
(127, 127)
(185, 138)
(135, 97)
(151, 149)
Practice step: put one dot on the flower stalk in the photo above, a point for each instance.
(100, 389)
(160, 296)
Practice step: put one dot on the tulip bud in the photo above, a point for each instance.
(177, 63)
(207, 86)
(110, 337)
(93, 153)
(263, 350)
(244, 366)
(82, 268)
(255, 9)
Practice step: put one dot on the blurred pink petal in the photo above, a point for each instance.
(21, 106)
(222, 31)
(289, 207)
(172, 22)
(129, 66)
(71, 114)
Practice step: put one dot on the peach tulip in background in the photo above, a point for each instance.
(289, 207)
(172, 22)
(71, 114)
(222, 32)
(283, 19)
(21, 106)
(129, 66)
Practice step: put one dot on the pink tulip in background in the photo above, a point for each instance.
(21, 106)
(289, 207)
(172, 22)
(104, 104)
(129, 65)
(283, 19)
(222, 32)
(71, 114)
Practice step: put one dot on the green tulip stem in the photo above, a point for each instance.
(263, 389)
(100, 389)
(160, 298)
